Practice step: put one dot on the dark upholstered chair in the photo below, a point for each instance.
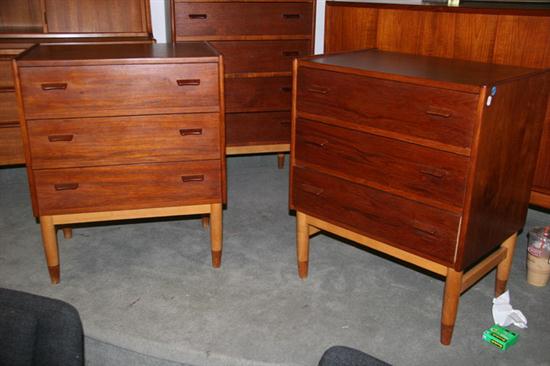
(345, 356)
(36, 330)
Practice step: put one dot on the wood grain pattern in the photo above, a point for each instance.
(261, 128)
(8, 106)
(257, 94)
(11, 146)
(20, 14)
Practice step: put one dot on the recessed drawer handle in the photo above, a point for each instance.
(185, 82)
(54, 86)
(291, 53)
(190, 131)
(291, 16)
(66, 186)
(198, 16)
(286, 89)
(316, 141)
(57, 138)
(192, 178)
(437, 173)
(439, 112)
(311, 189)
(425, 229)
(318, 90)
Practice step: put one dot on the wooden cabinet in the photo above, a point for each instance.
(427, 159)
(258, 40)
(122, 131)
(517, 34)
(24, 23)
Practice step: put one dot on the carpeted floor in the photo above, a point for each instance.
(147, 294)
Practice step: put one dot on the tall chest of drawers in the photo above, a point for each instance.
(426, 159)
(258, 39)
(120, 132)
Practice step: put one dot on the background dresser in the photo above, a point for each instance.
(258, 39)
(518, 34)
(120, 132)
(426, 159)
(26, 22)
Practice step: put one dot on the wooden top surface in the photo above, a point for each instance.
(118, 53)
(450, 73)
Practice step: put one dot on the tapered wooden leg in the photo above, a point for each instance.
(49, 240)
(453, 284)
(281, 161)
(216, 233)
(67, 232)
(205, 221)
(302, 244)
(503, 269)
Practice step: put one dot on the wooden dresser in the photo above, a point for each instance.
(427, 159)
(27, 22)
(512, 34)
(120, 132)
(258, 39)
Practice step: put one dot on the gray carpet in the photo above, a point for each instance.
(147, 294)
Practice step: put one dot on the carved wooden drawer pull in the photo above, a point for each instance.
(425, 229)
(192, 178)
(291, 16)
(434, 172)
(198, 16)
(439, 112)
(318, 90)
(66, 186)
(57, 138)
(291, 53)
(286, 89)
(311, 189)
(191, 131)
(185, 82)
(54, 86)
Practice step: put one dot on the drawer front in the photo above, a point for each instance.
(430, 113)
(383, 162)
(258, 94)
(94, 91)
(420, 229)
(124, 140)
(122, 187)
(11, 145)
(246, 18)
(257, 128)
(261, 56)
(6, 74)
(8, 107)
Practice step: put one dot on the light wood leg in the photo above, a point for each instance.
(67, 232)
(453, 285)
(302, 244)
(216, 233)
(205, 221)
(49, 240)
(280, 160)
(503, 268)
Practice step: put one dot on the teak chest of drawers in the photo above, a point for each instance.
(258, 39)
(120, 132)
(426, 159)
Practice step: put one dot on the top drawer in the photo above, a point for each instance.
(440, 115)
(246, 18)
(107, 90)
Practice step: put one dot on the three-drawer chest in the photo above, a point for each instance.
(121, 132)
(258, 39)
(426, 159)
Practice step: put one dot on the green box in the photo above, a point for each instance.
(500, 337)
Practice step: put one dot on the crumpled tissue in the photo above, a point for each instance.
(504, 314)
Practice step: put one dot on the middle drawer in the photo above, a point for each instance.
(121, 187)
(123, 140)
(111, 90)
(258, 94)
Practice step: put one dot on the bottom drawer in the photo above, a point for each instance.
(257, 128)
(409, 225)
(11, 145)
(61, 191)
